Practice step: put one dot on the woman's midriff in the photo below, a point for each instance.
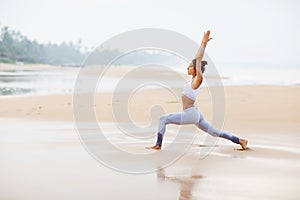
(187, 102)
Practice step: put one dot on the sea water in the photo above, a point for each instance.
(43, 82)
(256, 74)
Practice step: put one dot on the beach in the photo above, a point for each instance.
(42, 156)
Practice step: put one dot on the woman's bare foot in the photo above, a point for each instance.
(155, 147)
(243, 143)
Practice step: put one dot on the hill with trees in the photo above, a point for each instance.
(15, 47)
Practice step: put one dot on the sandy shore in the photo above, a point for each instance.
(42, 158)
(246, 107)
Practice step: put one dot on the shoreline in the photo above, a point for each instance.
(9, 66)
(243, 105)
(38, 94)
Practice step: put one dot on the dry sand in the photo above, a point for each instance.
(265, 108)
(41, 156)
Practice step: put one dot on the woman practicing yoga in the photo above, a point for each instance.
(190, 114)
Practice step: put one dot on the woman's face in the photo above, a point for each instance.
(191, 70)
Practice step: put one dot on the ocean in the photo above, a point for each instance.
(43, 82)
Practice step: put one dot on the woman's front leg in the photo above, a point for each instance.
(174, 118)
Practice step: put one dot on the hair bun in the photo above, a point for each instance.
(203, 62)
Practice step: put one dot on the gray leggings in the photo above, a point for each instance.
(191, 116)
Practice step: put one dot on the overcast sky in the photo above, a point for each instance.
(253, 31)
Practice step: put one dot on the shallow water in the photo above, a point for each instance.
(61, 81)
(27, 82)
(43, 82)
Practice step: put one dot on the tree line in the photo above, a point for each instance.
(15, 47)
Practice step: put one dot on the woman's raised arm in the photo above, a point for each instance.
(199, 56)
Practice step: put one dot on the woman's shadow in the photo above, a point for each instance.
(186, 183)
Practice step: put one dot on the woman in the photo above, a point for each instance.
(190, 114)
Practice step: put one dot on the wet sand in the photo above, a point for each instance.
(42, 158)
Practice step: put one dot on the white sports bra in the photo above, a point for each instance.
(189, 91)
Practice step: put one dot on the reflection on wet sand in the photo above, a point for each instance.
(186, 183)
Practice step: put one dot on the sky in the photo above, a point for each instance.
(248, 31)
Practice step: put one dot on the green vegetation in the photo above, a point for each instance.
(15, 47)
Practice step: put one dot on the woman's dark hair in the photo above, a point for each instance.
(203, 63)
